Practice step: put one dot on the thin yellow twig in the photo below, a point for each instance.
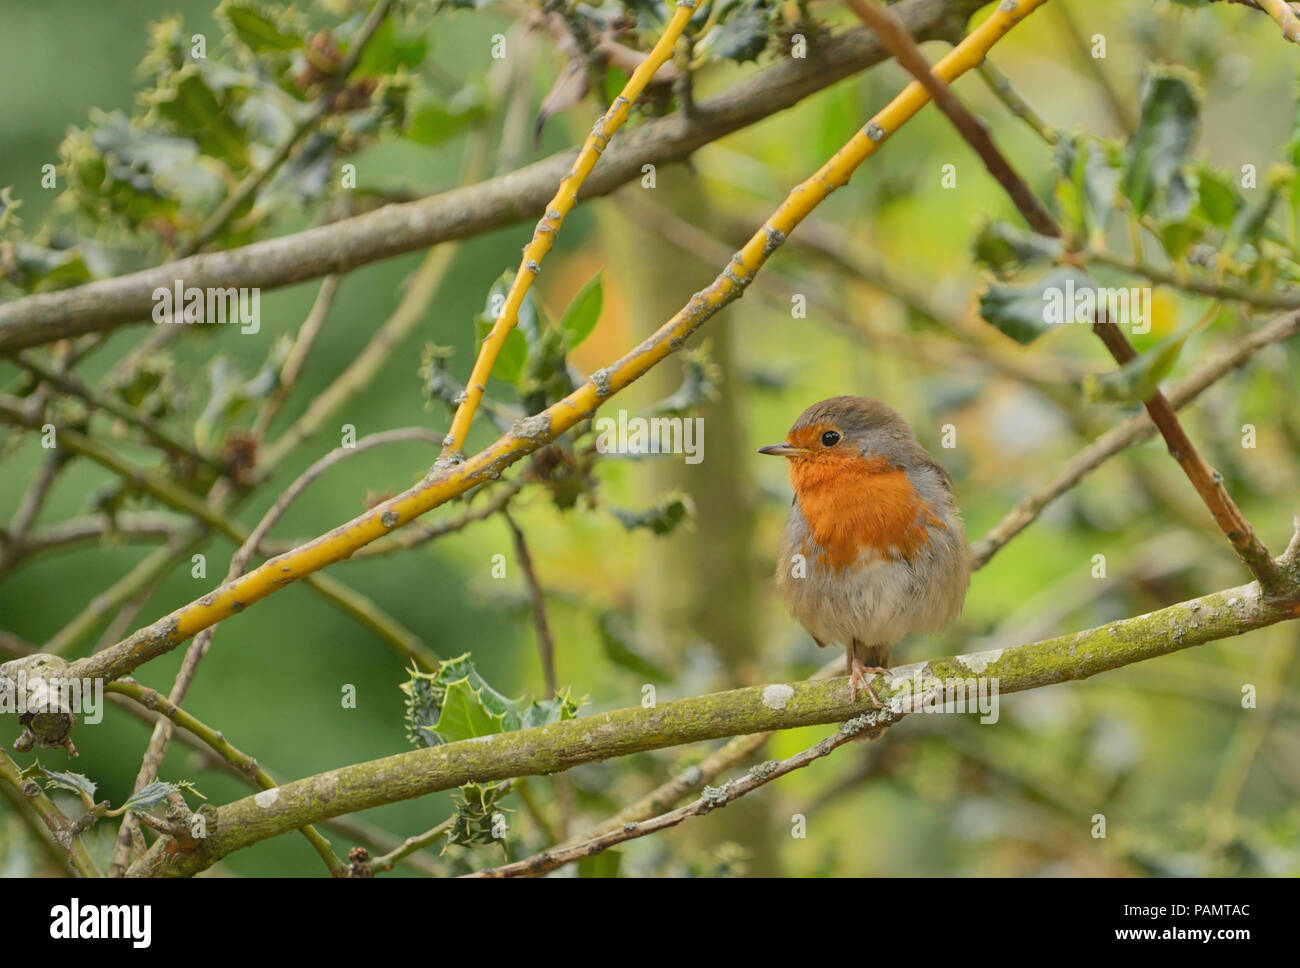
(566, 196)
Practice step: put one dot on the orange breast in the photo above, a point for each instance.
(856, 504)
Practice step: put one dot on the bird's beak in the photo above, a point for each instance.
(782, 450)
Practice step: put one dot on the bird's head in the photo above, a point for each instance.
(847, 433)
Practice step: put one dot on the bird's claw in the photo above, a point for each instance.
(860, 675)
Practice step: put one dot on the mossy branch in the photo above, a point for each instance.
(560, 746)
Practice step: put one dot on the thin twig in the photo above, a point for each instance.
(297, 358)
(899, 42)
(1015, 102)
(1207, 481)
(1132, 431)
(566, 196)
(60, 826)
(152, 429)
(711, 799)
(158, 742)
(216, 741)
(1120, 108)
(421, 533)
(545, 643)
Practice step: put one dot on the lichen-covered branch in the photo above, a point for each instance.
(560, 746)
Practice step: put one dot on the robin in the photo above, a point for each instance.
(874, 547)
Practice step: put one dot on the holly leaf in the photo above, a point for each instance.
(148, 797)
(38, 269)
(465, 715)
(700, 379)
(1004, 248)
(1022, 312)
(742, 36)
(662, 519)
(73, 782)
(1091, 175)
(192, 107)
(476, 805)
(1159, 146)
(1216, 197)
(8, 206)
(543, 712)
(455, 702)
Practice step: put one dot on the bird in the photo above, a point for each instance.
(874, 548)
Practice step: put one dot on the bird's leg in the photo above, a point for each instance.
(860, 673)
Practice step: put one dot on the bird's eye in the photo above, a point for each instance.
(830, 438)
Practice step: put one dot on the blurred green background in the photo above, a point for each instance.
(1188, 782)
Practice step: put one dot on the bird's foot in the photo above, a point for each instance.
(860, 676)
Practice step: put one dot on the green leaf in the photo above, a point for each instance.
(1216, 197)
(465, 715)
(583, 313)
(148, 797)
(258, 30)
(662, 519)
(433, 122)
(1159, 147)
(38, 269)
(455, 703)
(1179, 235)
(1003, 247)
(1090, 174)
(509, 366)
(476, 806)
(389, 51)
(1250, 221)
(1139, 378)
(74, 782)
(742, 35)
(8, 206)
(543, 712)
(510, 361)
(700, 379)
(192, 107)
(1024, 312)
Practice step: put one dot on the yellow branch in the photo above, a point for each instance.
(447, 482)
(566, 196)
(1285, 17)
